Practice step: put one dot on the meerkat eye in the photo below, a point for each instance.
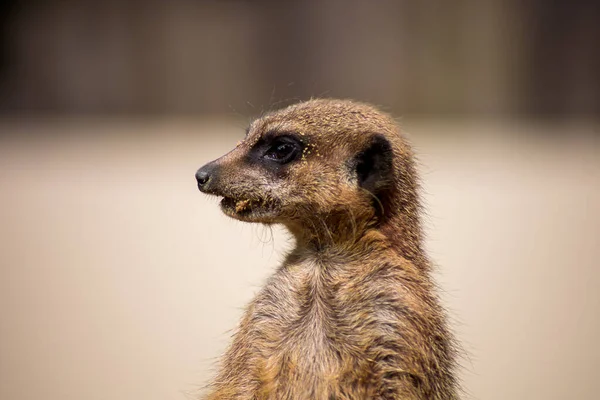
(281, 152)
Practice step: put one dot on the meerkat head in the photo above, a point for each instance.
(321, 164)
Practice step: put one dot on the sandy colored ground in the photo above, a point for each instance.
(120, 281)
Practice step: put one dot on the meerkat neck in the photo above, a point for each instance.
(344, 233)
(349, 237)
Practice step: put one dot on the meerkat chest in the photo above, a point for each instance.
(297, 312)
(306, 333)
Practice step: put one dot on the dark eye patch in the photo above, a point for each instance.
(281, 152)
(282, 149)
(274, 150)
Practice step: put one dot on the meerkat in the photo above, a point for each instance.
(352, 313)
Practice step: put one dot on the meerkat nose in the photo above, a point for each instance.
(202, 177)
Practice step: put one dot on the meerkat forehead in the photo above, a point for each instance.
(324, 119)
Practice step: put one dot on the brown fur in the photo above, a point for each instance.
(352, 312)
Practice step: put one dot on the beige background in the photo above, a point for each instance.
(120, 281)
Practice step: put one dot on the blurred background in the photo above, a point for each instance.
(119, 280)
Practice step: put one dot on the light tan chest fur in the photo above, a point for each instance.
(307, 329)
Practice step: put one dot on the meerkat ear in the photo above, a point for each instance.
(374, 165)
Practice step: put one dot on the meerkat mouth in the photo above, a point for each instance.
(248, 209)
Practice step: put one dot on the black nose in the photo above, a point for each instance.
(202, 176)
(207, 176)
